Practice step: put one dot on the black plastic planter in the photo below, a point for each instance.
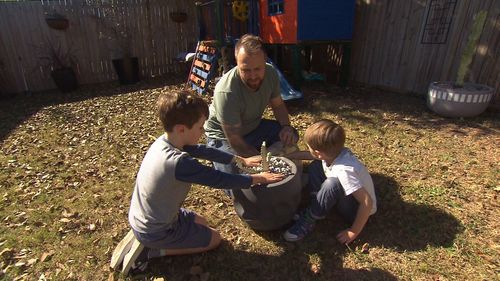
(127, 70)
(271, 207)
(57, 23)
(65, 79)
(178, 16)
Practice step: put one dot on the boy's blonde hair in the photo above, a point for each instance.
(181, 107)
(325, 136)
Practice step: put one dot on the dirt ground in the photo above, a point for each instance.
(68, 164)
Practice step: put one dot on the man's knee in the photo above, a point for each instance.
(214, 240)
(200, 220)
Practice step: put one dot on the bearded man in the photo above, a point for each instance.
(235, 123)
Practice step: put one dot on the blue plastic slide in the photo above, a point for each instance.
(287, 92)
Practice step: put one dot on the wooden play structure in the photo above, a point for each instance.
(294, 32)
(312, 33)
(299, 21)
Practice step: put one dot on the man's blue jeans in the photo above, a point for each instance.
(268, 131)
(327, 193)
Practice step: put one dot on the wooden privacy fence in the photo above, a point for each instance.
(406, 45)
(402, 45)
(98, 32)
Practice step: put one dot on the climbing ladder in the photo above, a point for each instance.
(203, 67)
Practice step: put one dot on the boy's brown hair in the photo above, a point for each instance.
(325, 136)
(250, 43)
(181, 107)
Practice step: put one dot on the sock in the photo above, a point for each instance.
(156, 253)
(143, 256)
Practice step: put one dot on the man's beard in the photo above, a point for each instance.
(254, 84)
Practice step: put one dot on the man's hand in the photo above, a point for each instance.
(288, 135)
(236, 141)
(346, 236)
(253, 161)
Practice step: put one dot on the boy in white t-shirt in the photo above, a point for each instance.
(337, 179)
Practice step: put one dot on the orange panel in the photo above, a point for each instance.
(279, 29)
(198, 81)
(202, 65)
(206, 49)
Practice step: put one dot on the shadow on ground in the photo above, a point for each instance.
(397, 225)
(407, 226)
(16, 109)
(227, 263)
(408, 108)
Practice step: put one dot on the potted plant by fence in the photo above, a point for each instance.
(116, 31)
(56, 21)
(61, 63)
(6, 81)
(459, 98)
(178, 16)
(126, 65)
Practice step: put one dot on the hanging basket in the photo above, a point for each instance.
(178, 16)
(57, 22)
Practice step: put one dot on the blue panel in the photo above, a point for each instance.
(325, 20)
(200, 73)
(195, 87)
(205, 57)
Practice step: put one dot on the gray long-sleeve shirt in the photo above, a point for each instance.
(164, 180)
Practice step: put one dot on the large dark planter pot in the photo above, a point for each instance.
(271, 207)
(57, 23)
(449, 100)
(65, 79)
(127, 70)
(178, 16)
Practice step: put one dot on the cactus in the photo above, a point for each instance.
(263, 154)
(468, 53)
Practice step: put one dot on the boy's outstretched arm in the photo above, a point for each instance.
(190, 170)
(260, 178)
(364, 209)
(299, 155)
(266, 177)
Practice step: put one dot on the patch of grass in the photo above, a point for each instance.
(68, 166)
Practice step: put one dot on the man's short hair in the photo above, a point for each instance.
(251, 43)
(325, 136)
(180, 107)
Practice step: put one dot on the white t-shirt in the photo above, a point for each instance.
(352, 174)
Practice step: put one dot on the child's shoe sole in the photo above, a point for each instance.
(121, 250)
(129, 259)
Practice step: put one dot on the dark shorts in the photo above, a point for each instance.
(184, 234)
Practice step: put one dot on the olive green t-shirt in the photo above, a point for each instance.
(235, 103)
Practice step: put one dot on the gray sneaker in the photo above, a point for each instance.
(300, 228)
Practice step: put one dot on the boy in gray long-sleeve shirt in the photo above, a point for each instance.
(165, 176)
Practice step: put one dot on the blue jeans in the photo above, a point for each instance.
(268, 131)
(328, 193)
